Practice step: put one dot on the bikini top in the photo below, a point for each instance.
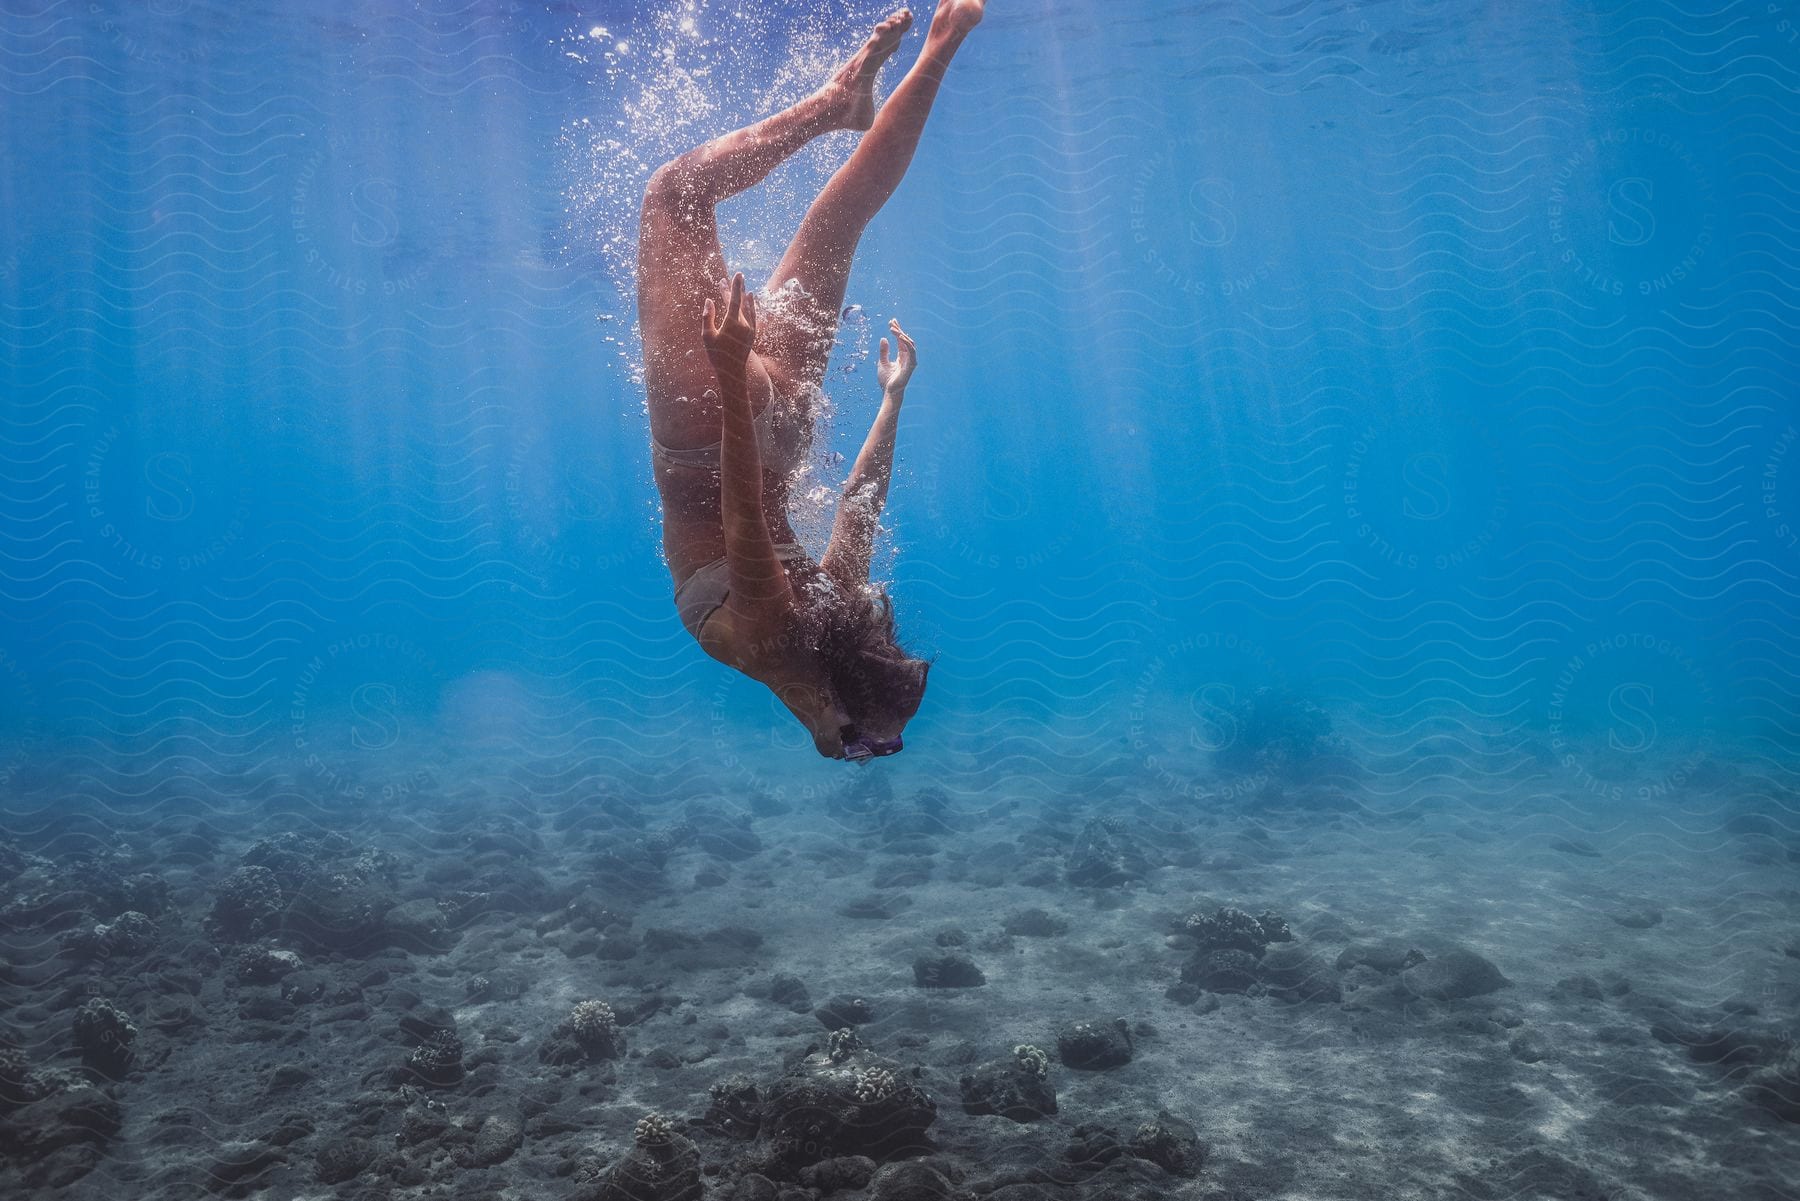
(782, 445)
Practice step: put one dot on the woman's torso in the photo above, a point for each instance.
(693, 533)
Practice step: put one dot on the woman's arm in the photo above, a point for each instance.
(759, 583)
(865, 492)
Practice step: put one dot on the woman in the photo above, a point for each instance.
(730, 420)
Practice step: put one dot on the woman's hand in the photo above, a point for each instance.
(893, 373)
(728, 341)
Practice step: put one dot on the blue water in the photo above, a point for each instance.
(1433, 362)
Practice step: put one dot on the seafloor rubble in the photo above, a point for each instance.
(897, 994)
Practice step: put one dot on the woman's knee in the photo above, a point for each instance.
(676, 185)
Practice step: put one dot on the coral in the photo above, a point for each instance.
(1032, 1060)
(248, 904)
(731, 1085)
(104, 1035)
(131, 933)
(589, 1033)
(821, 1110)
(20, 1083)
(872, 1085)
(594, 1026)
(736, 1106)
(652, 1130)
(1016, 1088)
(841, 1044)
(1170, 1143)
(438, 1061)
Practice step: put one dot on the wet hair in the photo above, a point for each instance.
(879, 684)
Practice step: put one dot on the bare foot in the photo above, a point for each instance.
(851, 91)
(957, 17)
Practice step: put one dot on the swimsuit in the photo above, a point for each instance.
(782, 446)
(705, 591)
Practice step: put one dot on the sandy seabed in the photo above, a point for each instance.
(1331, 980)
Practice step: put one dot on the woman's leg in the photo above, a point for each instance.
(680, 265)
(820, 257)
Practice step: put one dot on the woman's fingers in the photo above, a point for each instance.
(749, 307)
(884, 352)
(737, 297)
(906, 343)
(707, 326)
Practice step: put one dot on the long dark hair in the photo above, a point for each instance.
(879, 684)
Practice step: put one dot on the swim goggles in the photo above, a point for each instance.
(860, 748)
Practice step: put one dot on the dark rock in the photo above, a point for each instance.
(909, 1182)
(1092, 1146)
(104, 1036)
(1776, 1086)
(436, 1063)
(1016, 1087)
(854, 1104)
(342, 1159)
(64, 1118)
(1221, 971)
(1230, 929)
(844, 1010)
(288, 1075)
(1388, 957)
(876, 907)
(1274, 730)
(1170, 1143)
(735, 938)
(843, 1173)
(341, 911)
(952, 969)
(20, 1083)
(265, 965)
(237, 1168)
(422, 1023)
(1035, 923)
(1293, 973)
(723, 835)
(419, 926)
(495, 1141)
(1105, 855)
(1183, 993)
(1574, 846)
(902, 873)
(790, 991)
(247, 905)
(129, 935)
(736, 1107)
(1640, 918)
(1528, 1046)
(616, 948)
(1095, 1046)
(1453, 976)
(753, 1186)
(667, 1169)
(1580, 988)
